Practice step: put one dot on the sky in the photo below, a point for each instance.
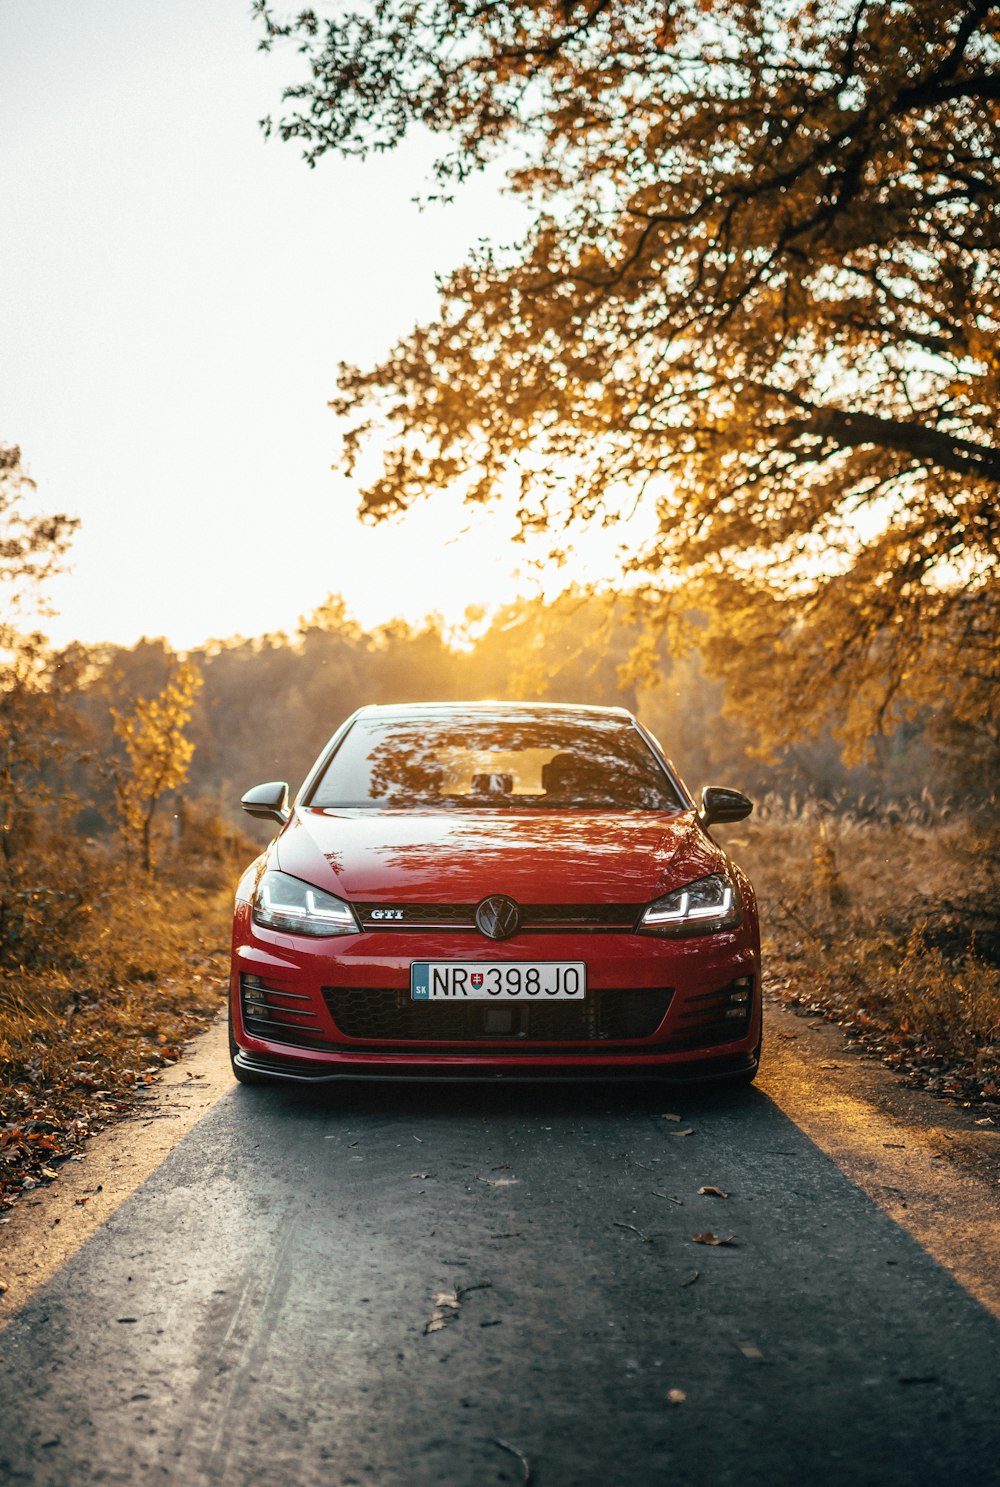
(175, 295)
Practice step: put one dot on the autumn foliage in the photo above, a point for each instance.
(761, 296)
(157, 755)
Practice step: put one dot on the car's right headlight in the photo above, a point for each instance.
(286, 903)
(700, 908)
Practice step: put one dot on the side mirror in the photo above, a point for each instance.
(720, 804)
(268, 802)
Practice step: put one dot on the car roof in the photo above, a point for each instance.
(496, 709)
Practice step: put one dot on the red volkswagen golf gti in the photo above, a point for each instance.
(494, 889)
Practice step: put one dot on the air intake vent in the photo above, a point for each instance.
(280, 1016)
(390, 1016)
(714, 1017)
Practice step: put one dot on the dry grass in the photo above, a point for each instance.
(890, 925)
(89, 1018)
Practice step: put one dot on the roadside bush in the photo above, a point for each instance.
(889, 923)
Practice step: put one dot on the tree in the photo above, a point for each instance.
(32, 549)
(33, 905)
(158, 755)
(762, 292)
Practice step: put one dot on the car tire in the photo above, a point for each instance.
(243, 1076)
(746, 1077)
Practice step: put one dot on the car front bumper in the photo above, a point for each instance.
(680, 995)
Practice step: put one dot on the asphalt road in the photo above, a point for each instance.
(407, 1285)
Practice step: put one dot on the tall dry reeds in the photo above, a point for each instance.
(888, 919)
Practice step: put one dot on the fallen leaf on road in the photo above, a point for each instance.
(896, 1145)
(687, 1131)
(500, 1182)
(749, 1350)
(421, 1174)
(444, 1302)
(710, 1192)
(670, 1117)
(690, 1280)
(709, 1238)
(676, 1396)
(448, 1303)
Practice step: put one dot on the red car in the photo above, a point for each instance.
(494, 889)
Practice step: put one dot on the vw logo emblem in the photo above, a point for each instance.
(498, 917)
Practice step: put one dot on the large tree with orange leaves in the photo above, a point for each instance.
(762, 291)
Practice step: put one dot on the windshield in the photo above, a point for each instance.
(459, 761)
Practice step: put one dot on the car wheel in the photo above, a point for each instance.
(243, 1076)
(746, 1077)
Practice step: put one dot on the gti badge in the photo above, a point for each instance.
(498, 917)
(387, 913)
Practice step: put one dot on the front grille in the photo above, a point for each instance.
(551, 918)
(713, 1017)
(588, 917)
(280, 1016)
(605, 1016)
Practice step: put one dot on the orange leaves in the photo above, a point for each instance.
(157, 751)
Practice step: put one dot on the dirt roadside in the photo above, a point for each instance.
(50, 1224)
(932, 1165)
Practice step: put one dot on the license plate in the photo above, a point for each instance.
(498, 981)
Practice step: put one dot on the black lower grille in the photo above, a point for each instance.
(605, 1016)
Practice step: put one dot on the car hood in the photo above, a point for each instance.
(535, 857)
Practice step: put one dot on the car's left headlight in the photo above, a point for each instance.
(699, 908)
(284, 902)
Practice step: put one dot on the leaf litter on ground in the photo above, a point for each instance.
(448, 1303)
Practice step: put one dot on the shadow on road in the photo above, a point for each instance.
(405, 1284)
